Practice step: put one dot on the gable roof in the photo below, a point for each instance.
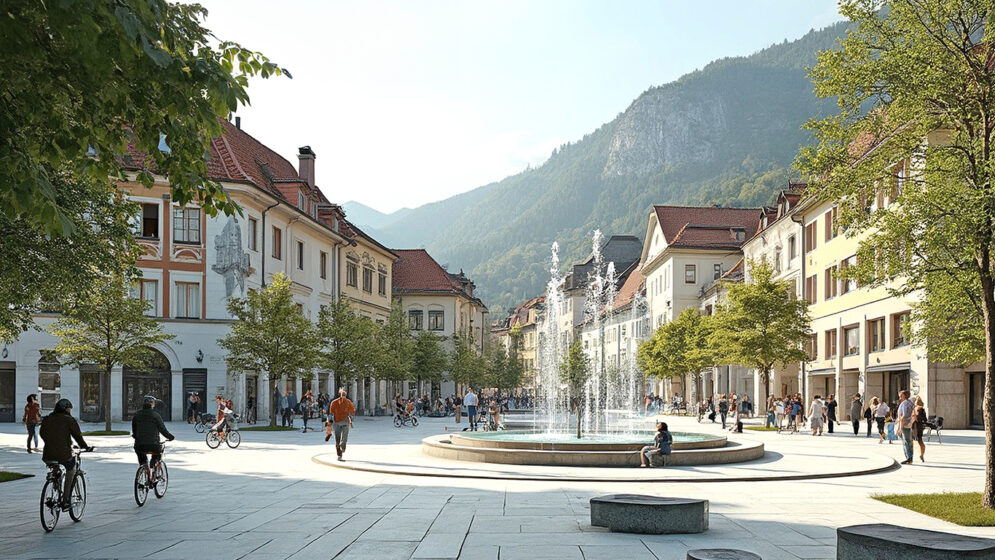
(415, 271)
(675, 220)
(634, 285)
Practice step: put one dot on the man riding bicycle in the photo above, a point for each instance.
(146, 426)
(58, 429)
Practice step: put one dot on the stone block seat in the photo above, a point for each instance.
(881, 541)
(636, 513)
(721, 554)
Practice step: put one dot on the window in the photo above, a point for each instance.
(739, 234)
(777, 260)
(367, 279)
(186, 225)
(830, 279)
(875, 335)
(899, 322)
(851, 337)
(301, 203)
(49, 379)
(436, 320)
(253, 228)
(277, 243)
(352, 274)
(811, 288)
(382, 284)
(188, 299)
(414, 319)
(830, 343)
(832, 221)
(300, 255)
(812, 346)
(792, 248)
(150, 221)
(314, 209)
(716, 271)
(810, 241)
(847, 284)
(323, 264)
(148, 291)
(690, 275)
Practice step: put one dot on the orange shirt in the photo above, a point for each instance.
(340, 409)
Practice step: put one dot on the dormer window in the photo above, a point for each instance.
(300, 201)
(739, 234)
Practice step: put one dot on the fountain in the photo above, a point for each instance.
(613, 429)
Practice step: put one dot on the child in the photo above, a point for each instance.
(889, 426)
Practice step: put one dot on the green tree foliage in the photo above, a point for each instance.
(271, 334)
(760, 325)
(430, 357)
(41, 271)
(93, 76)
(678, 348)
(575, 370)
(108, 327)
(348, 342)
(914, 82)
(503, 368)
(466, 366)
(395, 347)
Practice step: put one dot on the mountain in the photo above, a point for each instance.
(725, 134)
(371, 218)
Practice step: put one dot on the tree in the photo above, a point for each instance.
(761, 324)
(914, 84)
(575, 370)
(128, 73)
(429, 358)
(271, 334)
(348, 342)
(678, 348)
(107, 327)
(41, 271)
(395, 348)
(466, 366)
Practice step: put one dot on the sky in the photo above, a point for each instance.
(410, 102)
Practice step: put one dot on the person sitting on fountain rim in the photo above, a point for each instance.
(660, 447)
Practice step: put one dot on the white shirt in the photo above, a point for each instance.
(470, 399)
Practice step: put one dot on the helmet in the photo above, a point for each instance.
(148, 401)
(63, 405)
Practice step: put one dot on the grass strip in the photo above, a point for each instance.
(7, 476)
(963, 508)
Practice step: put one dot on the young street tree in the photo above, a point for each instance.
(271, 334)
(760, 325)
(116, 73)
(916, 125)
(395, 349)
(678, 348)
(107, 327)
(466, 366)
(348, 342)
(429, 358)
(575, 370)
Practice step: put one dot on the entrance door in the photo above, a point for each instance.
(91, 391)
(195, 381)
(897, 381)
(155, 379)
(251, 390)
(7, 395)
(977, 396)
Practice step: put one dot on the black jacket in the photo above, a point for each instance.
(56, 430)
(146, 426)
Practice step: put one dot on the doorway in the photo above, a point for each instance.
(896, 381)
(195, 381)
(92, 389)
(977, 399)
(7, 394)
(154, 379)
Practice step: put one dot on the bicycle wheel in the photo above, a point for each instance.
(77, 500)
(414, 421)
(199, 427)
(213, 439)
(141, 486)
(49, 506)
(397, 421)
(233, 439)
(162, 482)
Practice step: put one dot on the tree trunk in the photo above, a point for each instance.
(766, 374)
(274, 401)
(987, 287)
(577, 410)
(107, 399)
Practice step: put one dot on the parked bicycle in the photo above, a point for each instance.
(405, 420)
(228, 434)
(204, 421)
(51, 492)
(149, 478)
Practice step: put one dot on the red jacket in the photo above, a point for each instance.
(32, 413)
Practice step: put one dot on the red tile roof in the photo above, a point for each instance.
(415, 271)
(711, 227)
(633, 285)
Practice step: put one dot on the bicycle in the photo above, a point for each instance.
(51, 493)
(403, 420)
(229, 435)
(204, 421)
(155, 479)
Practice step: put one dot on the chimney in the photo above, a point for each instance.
(305, 165)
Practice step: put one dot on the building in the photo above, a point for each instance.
(616, 338)
(435, 300)
(193, 263)
(728, 379)
(523, 322)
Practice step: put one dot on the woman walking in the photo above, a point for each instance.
(855, 407)
(918, 425)
(880, 413)
(31, 419)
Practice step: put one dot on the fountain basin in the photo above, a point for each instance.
(520, 439)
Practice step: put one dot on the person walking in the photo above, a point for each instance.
(856, 406)
(831, 406)
(904, 424)
(458, 406)
(31, 419)
(816, 415)
(881, 411)
(471, 401)
(869, 416)
(341, 411)
(723, 409)
(919, 420)
(307, 401)
(192, 407)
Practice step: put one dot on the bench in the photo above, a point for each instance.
(721, 554)
(636, 513)
(880, 541)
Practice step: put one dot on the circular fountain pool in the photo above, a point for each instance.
(522, 439)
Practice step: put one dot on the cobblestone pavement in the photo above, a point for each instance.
(268, 499)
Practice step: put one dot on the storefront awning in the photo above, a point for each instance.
(902, 366)
(823, 371)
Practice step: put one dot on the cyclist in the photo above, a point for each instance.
(224, 409)
(146, 426)
(58, 429)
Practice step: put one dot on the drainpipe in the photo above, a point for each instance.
(263, 259)
(803, 365)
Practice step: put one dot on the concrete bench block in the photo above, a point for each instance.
(721, 554)
(635, 513)
(881, 541)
